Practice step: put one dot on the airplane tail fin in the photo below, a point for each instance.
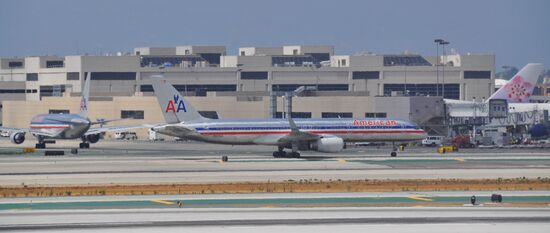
(85, 97)
(520, 88)
(173, 106)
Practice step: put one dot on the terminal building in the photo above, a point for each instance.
(250, 84)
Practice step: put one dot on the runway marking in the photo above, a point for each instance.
(342, 161)
(419, 198)
(163, 202)
(459, 159)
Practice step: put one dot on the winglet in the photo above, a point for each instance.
(85, 97)
(293, 127)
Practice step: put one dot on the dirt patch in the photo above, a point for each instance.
(283, 187)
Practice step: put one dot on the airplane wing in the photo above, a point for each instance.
(48, 133)
(13, 130)
(295, 135)
(114, 129)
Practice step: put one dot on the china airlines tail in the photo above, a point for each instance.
(520, 88)
(85, 97)
(174, 108)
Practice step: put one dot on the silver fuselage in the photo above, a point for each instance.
(258, 131)
(60, 126)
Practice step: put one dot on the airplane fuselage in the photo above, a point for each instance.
(261, 131)
(63, 126)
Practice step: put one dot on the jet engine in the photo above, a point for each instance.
(17, 138)
(330, 144)
(92, 138)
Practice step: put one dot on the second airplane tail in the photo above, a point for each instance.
(173, 106)
(520, 88)
(85, 97)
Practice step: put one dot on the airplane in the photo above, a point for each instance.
(47, 127)
(518, 90)
(319, 134)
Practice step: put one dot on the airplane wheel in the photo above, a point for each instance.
(278, 154)
(294, 155)
(393, 154)
(84, 145)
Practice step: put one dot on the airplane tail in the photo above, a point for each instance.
(85, 96)
(173, 106)
(520, 88)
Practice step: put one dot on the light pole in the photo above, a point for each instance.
(443, 43)
(437, 42)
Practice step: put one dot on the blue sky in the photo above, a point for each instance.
(518, 32)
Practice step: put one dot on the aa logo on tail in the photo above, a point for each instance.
(172, 105)
(83, 105)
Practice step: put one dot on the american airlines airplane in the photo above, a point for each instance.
(324, 135)
(65, 126)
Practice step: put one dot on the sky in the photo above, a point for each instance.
(517, 32)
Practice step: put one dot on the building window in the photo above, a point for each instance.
(12, 91)
(32, 77)
(113, 75)
(174, 60)
(73, 76)
(365, 74)
(198, 90)
(187, 52)
(253, 75)
(54, 90)
(55, 64)
(209, 114)
(294, 115)
(477, 74)
(294, 52)
(343, 62)
(375, 115)
(320, 87)
(452, 90)
(134, 114)
(15, 64)
(405, 60)
(336, 115)
(58, 111)
(211, 58)
(243, 53)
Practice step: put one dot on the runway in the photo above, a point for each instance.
(113, 162)
(238, 211)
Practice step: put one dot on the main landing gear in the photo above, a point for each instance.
(41, 144)
(280, 153)
(394, 150)
(84, 145)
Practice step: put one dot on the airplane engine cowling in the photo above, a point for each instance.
(17, 138)
(331, 144)
(92, 138)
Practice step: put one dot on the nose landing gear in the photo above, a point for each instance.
(280, 153)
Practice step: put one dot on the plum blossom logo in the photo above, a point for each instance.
(518, 90)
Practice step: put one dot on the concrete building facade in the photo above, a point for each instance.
(240, 85)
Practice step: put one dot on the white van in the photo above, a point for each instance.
(432, 141)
